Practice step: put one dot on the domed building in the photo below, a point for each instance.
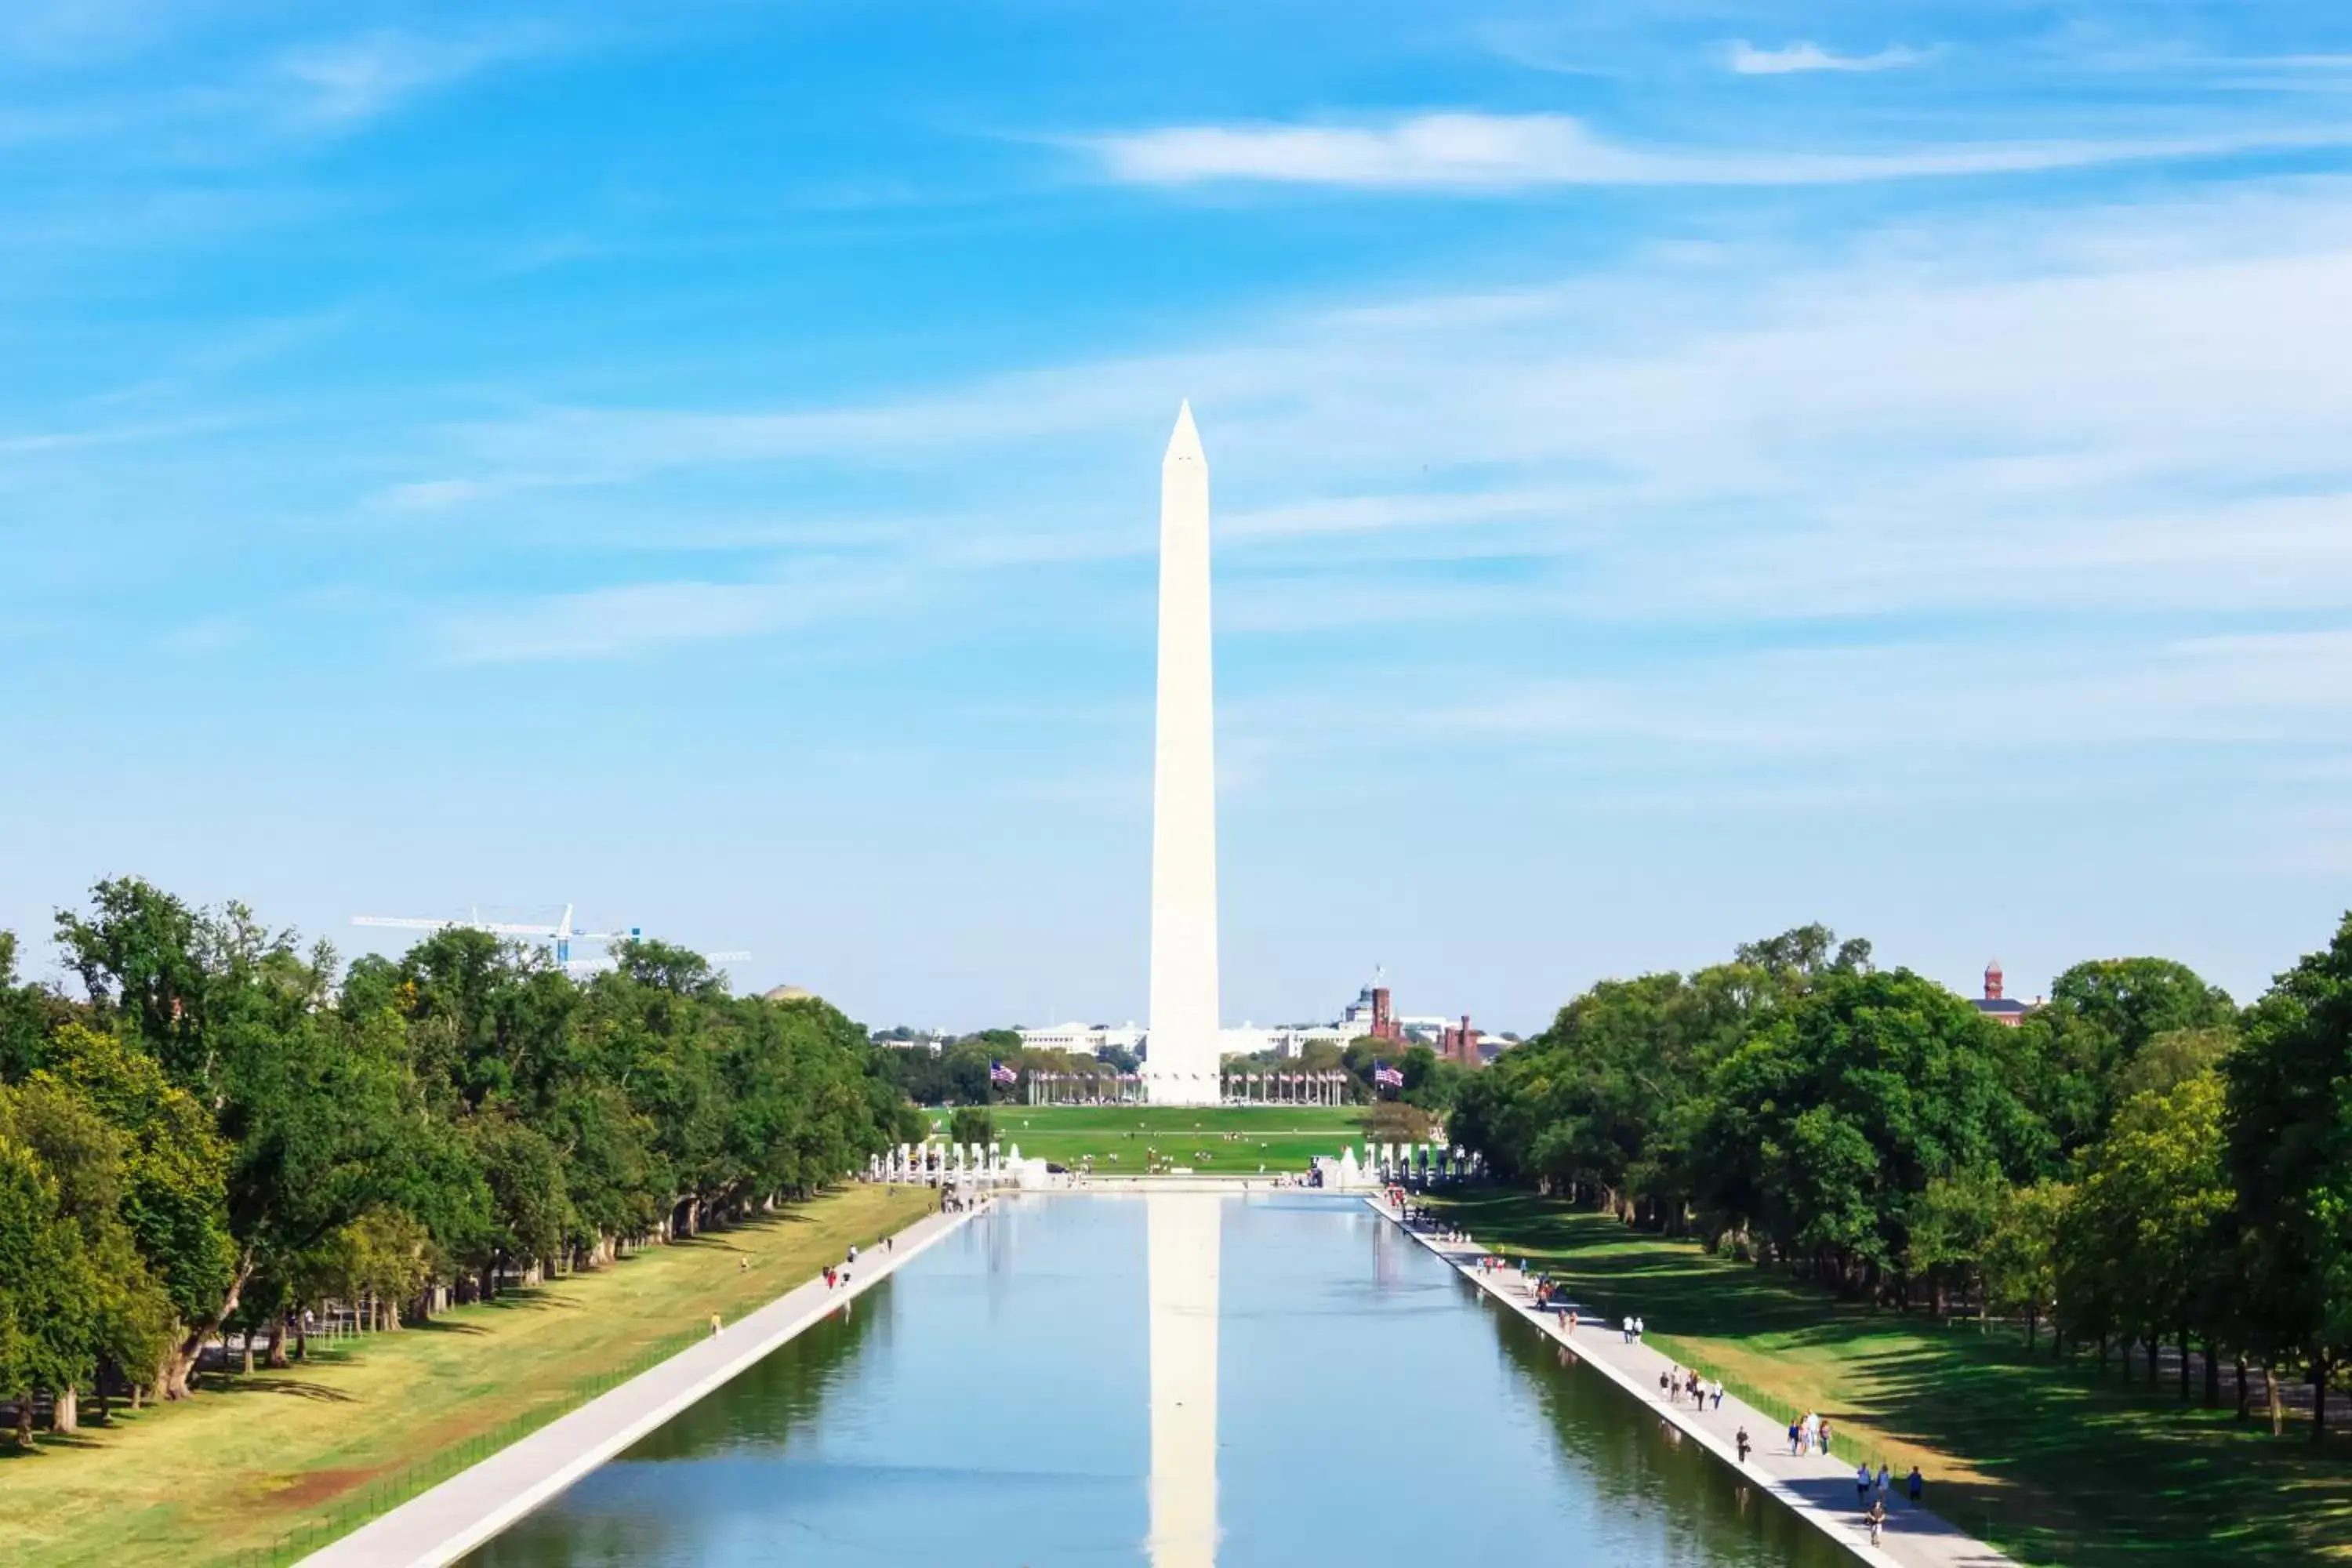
(787, 993)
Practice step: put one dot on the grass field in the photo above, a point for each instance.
(246, 1461)
(2055, 1463)
(1211, 1139)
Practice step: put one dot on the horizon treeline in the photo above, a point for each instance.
(2139, 1162)
(225, 1130)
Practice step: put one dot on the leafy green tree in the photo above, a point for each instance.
(49, 1315)
(313, 1112)
(173, 1176)
(1833, 1118)
(2142, 1243)
(2020, 1263)
(27, 1015)
(1610, 1099)
(971, 1125)
(2290, 1161)
(2100, 1019)
(1952, 1225)
(1805, 953)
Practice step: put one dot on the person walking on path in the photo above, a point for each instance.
(1740, 1441)
(1915, 1484)
(1629, 1328)
(1824, 1437)
(1877, 1518)
(1639, 1329)
(1881, 1483)
(1717, 1392)
(1860, 1484)
(1796, 1435)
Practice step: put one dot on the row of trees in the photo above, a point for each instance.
(2136, 1162)
(224, 1129)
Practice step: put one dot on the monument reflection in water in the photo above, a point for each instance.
(1185, 1232)
(1175, 1380)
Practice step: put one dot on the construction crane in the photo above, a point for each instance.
(560, 935)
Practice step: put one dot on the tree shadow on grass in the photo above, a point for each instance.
(292, 1387)
(45, 1443)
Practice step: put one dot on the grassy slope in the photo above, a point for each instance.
(2057, 1464)
(194, 1482)
(1281, 1137)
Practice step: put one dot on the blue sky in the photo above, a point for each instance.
(1681, 471)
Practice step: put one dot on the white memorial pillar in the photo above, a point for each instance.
(1182, 1067)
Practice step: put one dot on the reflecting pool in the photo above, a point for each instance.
(1175, 1380)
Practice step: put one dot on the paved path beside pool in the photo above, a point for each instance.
(442, 1525)
(1819, 1490)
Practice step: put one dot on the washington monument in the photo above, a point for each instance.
(1180, 1055)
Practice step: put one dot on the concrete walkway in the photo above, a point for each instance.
(1817, 1489)
(440, 1526)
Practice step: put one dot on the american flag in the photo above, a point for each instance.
(999, 1073)
(1387, 1077)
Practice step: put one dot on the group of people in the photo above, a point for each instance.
(1679, 1383)
(1811, 1434)
(1551, 1298)
(1632, 1329)
(1870, 1493)
(836, 1275)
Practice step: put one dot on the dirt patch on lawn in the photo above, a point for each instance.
(314, 1487)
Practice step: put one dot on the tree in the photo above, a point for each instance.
(27, 1014)
(85, 1157)
(1803, 953)
(2289, 1156)
(173, 1176)
(2100, 1019)
(2020, 1263)
(971, 1125)
(48, 1323)
(311, 1109)
(2140, 1245)
(1830, 1120)
(1952, 1225)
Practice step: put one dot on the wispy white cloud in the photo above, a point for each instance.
(217, 112)
(343, 82)
(1918, 698)
(1747, 59)
(1492, 152)
(636, 618)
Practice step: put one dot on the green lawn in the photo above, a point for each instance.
(1234, 1139)
(2055, 1464)
(248, 1459)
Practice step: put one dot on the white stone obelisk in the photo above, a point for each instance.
(1180, 1054)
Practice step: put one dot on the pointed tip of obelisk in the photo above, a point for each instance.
(1186, 440)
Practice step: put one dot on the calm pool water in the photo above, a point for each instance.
(1008, 1397)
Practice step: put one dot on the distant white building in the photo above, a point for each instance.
(931, 1040)
(1084, 1039)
